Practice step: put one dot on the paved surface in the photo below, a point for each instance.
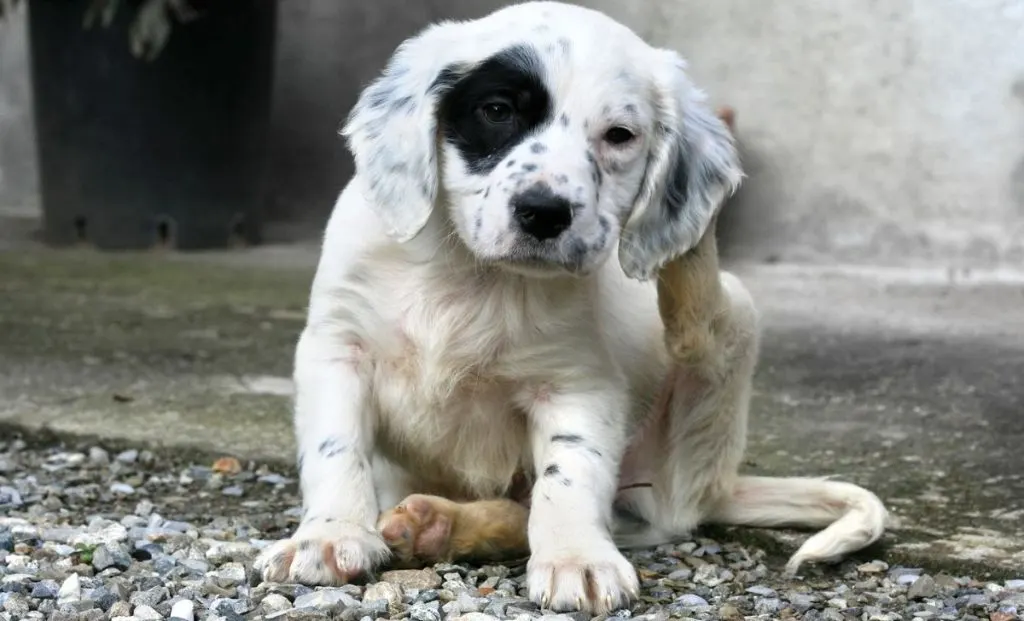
(907, 382)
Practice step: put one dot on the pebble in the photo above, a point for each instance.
(183, 545)
(326, 598)
(146, 613)
(923, 587)
(412, 578)
(70, 590)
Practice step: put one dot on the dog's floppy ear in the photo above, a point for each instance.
(392, 132)
(692, 168)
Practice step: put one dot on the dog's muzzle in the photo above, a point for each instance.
(541, 213)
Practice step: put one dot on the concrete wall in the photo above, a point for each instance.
(876, 131)
(18, 183)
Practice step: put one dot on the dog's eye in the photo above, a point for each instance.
(618, 135)
(497, 112)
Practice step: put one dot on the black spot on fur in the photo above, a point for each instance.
(403, 104)
(552, 470)
(538, 147)
(594, 451)
(512, 79)
(529, 167)
(487, 192)
(568, 438)
(565, 45)
(595, 170)
(510, 163)
(564, 120)
(331, 447)
(309, 545)
(562, 179)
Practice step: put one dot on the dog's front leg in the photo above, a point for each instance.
(578, 438)
(336, 540)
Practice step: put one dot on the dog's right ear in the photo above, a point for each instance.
(392, 131)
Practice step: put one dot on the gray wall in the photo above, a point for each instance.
(874, 131)
(18, 184)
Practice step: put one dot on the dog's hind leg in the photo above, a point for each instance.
(425, 529)
(711, 334)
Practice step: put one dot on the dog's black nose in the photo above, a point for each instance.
(541, 213)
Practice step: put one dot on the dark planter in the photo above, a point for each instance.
(136, 154)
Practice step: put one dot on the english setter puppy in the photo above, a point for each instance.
(519, 340)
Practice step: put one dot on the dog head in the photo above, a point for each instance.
(552, 134)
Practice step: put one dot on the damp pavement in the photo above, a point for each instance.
(902, 380)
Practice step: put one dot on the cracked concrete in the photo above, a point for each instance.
(904, 381)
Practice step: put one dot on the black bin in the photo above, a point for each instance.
(137, 154)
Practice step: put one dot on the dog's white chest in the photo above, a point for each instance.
(445, 405)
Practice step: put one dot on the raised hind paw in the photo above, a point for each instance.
(427, 529)
(418, 530)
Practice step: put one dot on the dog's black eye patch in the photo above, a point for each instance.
(495, 106)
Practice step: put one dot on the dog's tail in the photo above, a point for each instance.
(851, 517)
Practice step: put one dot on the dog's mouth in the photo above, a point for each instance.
(547, 259)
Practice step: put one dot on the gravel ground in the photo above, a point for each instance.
(90, 533)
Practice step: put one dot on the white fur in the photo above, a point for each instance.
(431, 360)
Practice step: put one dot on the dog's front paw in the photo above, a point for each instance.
(595, 579)
(323, 552)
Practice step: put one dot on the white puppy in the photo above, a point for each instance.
(483, 314)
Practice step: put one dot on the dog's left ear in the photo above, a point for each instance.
(392, 131)
(692, 169)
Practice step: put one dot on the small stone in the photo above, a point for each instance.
(838, 603)
(46, 589)
(111, 555)
(146, 613)
(922, 588)
(680, 575)
(430, 611)
(327, 598)
(149, 597)
(831, 614)
(801, 602)
(227, 465)
(690, 600)
(274, 479)
(275, 602)
(730, 612)
(120, 609)
(16, 605)
(707, 575)
(412, 578)
(230, 574)
(763, 591)
(475, 616)
(874, 567)
(225, 551)
(70, 590)
(230, 608)
(386, 592)
(1014, 585)
(122, 489)
(128, 457)
(183, 610)
(233, 490)
(767, 605)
